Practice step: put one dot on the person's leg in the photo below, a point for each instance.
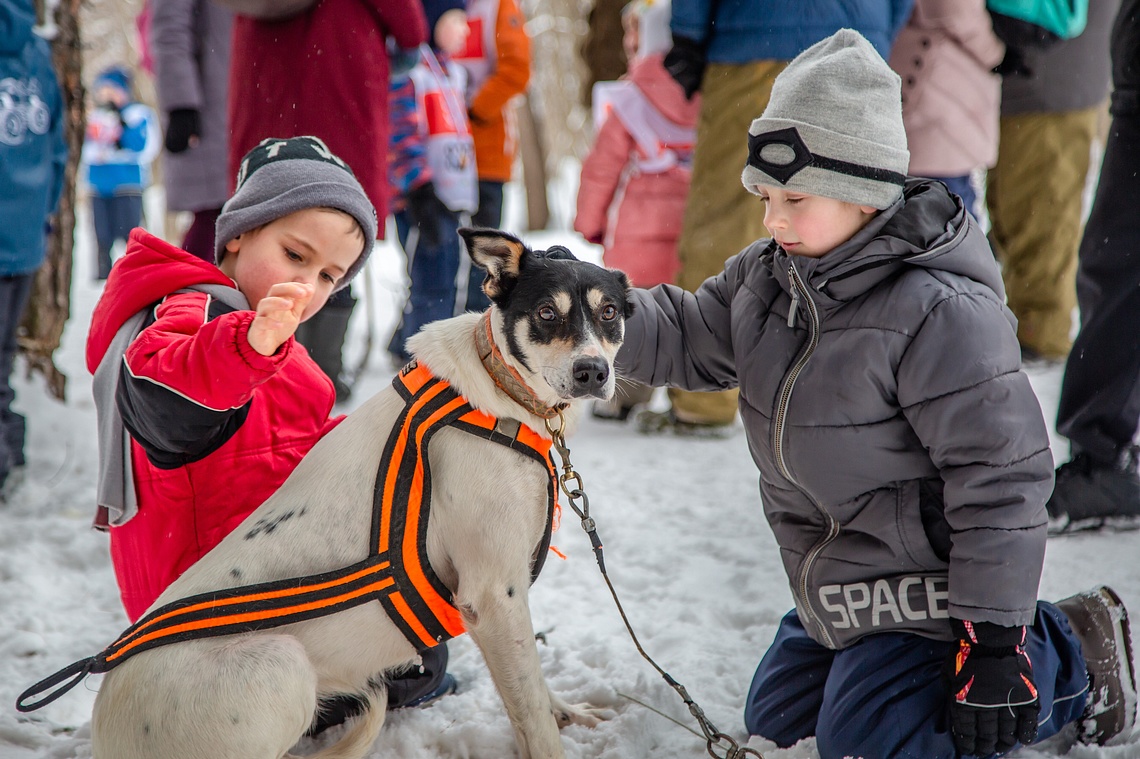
(424, 683)
(104, 234)
(721, 217)
(490, 214)
(432, 272)
(885, 695)
(125, 212)
(1100, 394)
(323, 336)
(787, 690)
(1099, 408)
(128, 214)
(199, 238)
(14, 291)
(1034, 195)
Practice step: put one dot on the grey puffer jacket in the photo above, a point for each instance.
(904, 462)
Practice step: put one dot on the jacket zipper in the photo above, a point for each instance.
(800, 294)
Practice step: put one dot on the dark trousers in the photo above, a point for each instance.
(115, 216)
(199, 239)
(1100, 395)
(433, 271)
(14, 291)
(884, 695)
(489, 215)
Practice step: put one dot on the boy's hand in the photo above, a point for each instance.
(993, 699)
(278, 315)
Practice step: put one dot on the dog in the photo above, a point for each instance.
(547, 342)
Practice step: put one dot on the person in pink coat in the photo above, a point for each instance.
(950, 96)
(631, 197)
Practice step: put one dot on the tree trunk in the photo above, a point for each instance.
(533, 158)
(50, 304)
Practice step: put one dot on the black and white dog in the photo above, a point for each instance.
(548, 340)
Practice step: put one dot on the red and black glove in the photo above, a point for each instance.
(993, 699)
(686, 62)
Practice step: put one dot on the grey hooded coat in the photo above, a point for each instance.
(191, 44)
(904, 461)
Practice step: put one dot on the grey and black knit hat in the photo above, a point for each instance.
(283, 176)
(833, 126)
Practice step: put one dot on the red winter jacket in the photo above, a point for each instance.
(324, 73)
(215, 426)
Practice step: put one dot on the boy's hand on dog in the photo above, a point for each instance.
(278, 315)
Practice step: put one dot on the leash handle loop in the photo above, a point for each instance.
(76, 671)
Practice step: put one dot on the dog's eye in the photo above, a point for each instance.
(609, 313)
(546, 313)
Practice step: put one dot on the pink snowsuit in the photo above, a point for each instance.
(636, 177)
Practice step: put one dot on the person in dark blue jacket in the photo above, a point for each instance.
(32, 158)
(122, 139)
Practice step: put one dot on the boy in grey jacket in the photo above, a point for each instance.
(904, 461)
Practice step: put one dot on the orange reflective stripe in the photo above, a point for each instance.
(398, 455)
(412, 620)
(146, 624)
(413, 562)
(202, 624)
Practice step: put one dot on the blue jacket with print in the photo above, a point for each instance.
(32, 148)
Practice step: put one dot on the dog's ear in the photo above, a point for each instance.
(497, 253)
(626, 287)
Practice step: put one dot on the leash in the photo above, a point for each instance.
(715, 740)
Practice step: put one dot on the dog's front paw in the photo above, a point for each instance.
(577, 714)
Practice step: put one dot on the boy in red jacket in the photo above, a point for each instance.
(198, 364)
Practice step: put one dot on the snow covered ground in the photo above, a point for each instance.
(686, 546)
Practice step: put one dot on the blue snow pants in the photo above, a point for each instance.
(884, 696)
(432, 272)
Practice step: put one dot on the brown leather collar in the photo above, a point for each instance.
(505, 377)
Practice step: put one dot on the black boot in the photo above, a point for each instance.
(323, 336)
(1090, 494)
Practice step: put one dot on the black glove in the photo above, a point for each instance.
(184, 129)
(685, 62)
(993, 699)
(426, 211)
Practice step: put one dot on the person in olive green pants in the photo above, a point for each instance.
(1035, 193)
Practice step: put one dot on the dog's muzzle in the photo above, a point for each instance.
(590, 377)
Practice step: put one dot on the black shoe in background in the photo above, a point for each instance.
(1091, 494)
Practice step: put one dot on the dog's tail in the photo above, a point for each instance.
(361, 733)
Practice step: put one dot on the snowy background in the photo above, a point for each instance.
(686, 547)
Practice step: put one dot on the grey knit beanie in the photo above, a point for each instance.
(283, 176)
(833, 126)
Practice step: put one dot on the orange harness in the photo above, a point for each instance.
(396, 573)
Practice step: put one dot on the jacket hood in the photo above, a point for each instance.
(928, 227)
(17, 17)
(648, 74)
(150, 270)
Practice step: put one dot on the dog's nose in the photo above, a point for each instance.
(590, 375)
